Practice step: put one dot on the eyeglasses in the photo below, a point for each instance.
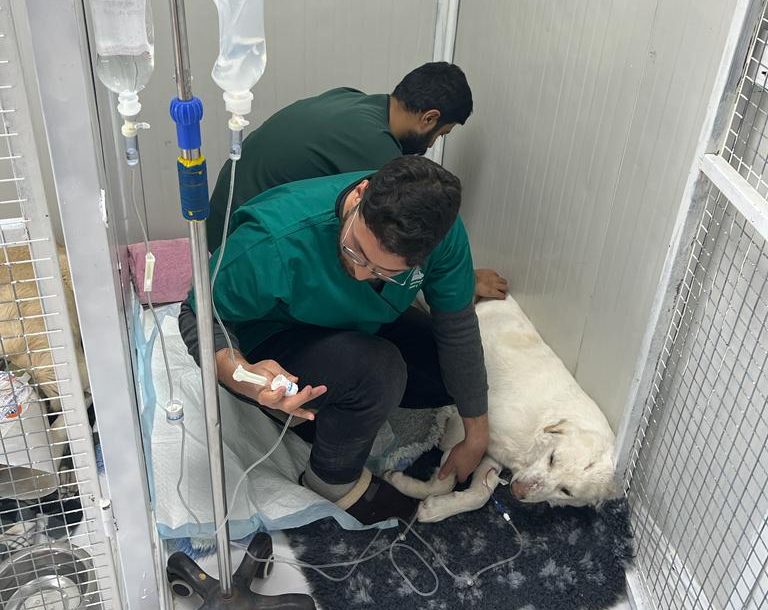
(358, 259)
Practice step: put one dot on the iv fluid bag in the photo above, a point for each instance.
(124, 43)
(242, 48)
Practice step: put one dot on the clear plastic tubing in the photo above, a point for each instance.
(124, 37)
(242, 47)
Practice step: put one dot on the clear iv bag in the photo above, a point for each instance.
(124, 43)
(242, 47)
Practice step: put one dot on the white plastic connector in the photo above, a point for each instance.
(241, 374)
(280, 381)
(130, 128)
(237, 122)
(238, 102)
(174, 411)
(149, 271)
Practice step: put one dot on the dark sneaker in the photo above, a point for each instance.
(379, 501)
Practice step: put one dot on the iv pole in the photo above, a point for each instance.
(229, 591)
(192, 166)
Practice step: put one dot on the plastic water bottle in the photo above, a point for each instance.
(124, 39)
(242, 47)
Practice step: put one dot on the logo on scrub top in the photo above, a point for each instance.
(417, 278)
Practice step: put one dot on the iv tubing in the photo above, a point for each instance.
(251, 467)
(398, 542)
(222, 249)
(164, 350)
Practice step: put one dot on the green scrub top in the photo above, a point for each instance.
(281, 268)
(341, 130)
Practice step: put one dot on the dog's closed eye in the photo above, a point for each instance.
(566, 491)
(551, 459)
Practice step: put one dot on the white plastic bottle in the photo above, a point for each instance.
(124, 40)
(242, 47)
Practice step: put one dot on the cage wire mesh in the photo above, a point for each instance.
(53, 549)
(698, 474)
(746, 145)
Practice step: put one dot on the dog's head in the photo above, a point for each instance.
(567, 466)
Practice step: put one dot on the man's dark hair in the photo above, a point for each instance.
(410, 205)
(437, 85)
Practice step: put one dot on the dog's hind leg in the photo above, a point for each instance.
(484, 480)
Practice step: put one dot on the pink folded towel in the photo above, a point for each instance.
(173, 270)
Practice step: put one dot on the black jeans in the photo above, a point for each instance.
(367, 376)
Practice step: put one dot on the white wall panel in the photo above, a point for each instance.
(312, 46)
(574, 163)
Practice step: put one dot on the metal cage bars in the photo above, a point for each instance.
(57, 530)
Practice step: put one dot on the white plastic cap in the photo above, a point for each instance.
(238, 102)
(281, 381)
(174, 410)
(128, 104)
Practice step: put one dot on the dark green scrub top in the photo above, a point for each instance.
(342, 130)
(281, 268)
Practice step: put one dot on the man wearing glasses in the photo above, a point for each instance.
(345, 130)
(317, 278)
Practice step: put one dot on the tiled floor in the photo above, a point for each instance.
(284, 578)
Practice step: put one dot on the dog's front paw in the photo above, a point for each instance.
(405, 484)
(432, 510)
(395, 478)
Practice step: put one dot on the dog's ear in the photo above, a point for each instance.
(558, 428)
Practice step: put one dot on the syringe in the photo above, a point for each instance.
(279, 381)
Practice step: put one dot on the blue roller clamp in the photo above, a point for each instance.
(193, 173)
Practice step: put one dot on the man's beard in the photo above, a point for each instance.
(417, 144)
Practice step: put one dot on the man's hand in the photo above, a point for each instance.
(490, 285)
(264, 395)
(465, 457)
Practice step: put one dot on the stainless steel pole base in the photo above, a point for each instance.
(187, 578)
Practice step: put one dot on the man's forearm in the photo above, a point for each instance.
(226, 362)
(226, 365)
(188, 330)
(460, 352)
(476, 429)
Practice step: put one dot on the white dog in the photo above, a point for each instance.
(543, 427)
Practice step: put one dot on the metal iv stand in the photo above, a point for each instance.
(229, 591)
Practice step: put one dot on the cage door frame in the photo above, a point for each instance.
(58, 63)
(707, 168)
